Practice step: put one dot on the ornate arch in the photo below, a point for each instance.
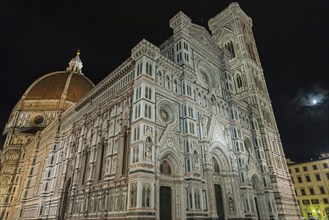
(170, 158)
(218, 151)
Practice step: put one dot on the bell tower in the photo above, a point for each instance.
(232, 31)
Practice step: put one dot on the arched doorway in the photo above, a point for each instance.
(171, 194)
(165, 193)
(219, 199)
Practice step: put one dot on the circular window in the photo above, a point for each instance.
(38, 119)
(166, 114)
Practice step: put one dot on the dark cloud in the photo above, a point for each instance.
(310, 104)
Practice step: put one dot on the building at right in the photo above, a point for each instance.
(311, 183)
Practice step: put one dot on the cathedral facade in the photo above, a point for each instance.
(184, 130)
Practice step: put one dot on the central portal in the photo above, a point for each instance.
(165, 203)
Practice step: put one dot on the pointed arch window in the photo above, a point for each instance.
(85, 166)
(197, 200)
(137, 111)
(147, 111)
(101, 158)
(229, 46)
(148, 93)
(239, 81)
(139, 69)
(148, 69)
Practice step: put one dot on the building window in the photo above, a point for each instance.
(239, 81)
(191, 126)
(299, 179)
(305, 168)
(138, 93)
(315, 167)
(306, 202)
(102, 158)
(139, 69)
(322, 191)
(229, 46)
(311, 191)
(303, 192)
(325, 165)
(297, 170)
(242, 177)
(315, 201)
(204, 198)
(197, 200)
(137, 111)
(317, 176)
(189, 90)
(136, 134)
(46, 187)
(325, 201)
(148, 69)
(148, 93)
(147, 111)
(308, 179)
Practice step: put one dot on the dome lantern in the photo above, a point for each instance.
(75, 64)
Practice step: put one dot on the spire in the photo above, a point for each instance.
(75, 64)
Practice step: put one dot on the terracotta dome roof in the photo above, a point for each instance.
(54, 85)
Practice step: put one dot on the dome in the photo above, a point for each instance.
(57, 90)
(58, 84)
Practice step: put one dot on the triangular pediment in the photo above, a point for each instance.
(217, 131)
(168, 139)
(226, 32)
(204, 38)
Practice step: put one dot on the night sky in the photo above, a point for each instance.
(38, 37)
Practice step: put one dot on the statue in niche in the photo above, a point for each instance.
(205, 126)
(133, 195)
(196, 160)
(230, 205)
(148, 149)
